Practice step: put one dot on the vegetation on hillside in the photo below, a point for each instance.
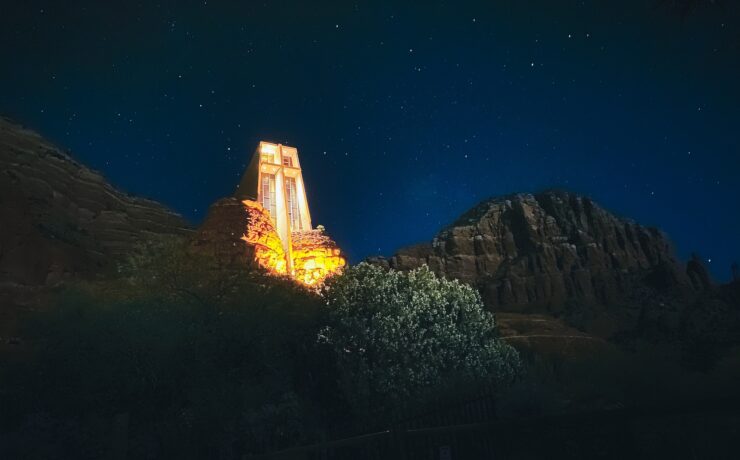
(178, 356)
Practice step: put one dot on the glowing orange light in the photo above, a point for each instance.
(260, 233)
(314, 255)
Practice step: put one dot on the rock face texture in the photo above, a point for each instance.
(536, 252)
(559, 256)
(241, 233)
(59, 219)
(261, 234)
(315, 255)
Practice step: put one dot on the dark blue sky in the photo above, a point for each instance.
(404, 116)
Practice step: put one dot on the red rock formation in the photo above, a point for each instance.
(241, 232)
(59, 219)
(221, 234)
(315, 256)
(537, 252)
(562, 257)
(261, 234)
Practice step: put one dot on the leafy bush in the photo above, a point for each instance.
(168, 269)
(400, 337)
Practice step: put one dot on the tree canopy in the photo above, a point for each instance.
(399, 337)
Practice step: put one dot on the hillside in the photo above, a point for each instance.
(61, 219)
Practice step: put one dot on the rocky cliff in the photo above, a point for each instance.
(59, 219)
(561, 254)
(538, 251)
(240, 233)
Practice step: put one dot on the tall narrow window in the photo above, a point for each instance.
(268, 194)
(293, 211)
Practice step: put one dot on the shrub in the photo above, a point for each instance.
(400, 337)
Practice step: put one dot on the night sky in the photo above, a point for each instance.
(404, 116)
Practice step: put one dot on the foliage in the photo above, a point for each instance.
(195, 364)
(399, 337)
(201, 360)
(168, 269)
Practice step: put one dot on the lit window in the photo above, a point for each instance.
(269, 149)
(287, 161)
(293, 213)
(268, 195)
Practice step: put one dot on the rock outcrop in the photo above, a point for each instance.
(534, 253)
(241, 233)
(59, 219)
(315, 255)
(560, 256)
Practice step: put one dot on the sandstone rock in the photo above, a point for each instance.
(559, 256)
(240, 234)
(315, 255)
(536, 252)
(220, 234)
(61, 220)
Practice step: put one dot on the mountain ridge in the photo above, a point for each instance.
(62, 219)
(560, 254)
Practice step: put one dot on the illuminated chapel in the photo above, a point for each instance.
(274, 193)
